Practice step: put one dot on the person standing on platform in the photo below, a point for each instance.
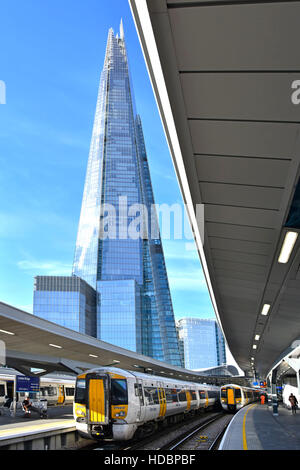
(7, 401)
(294, 402)
(262, 399)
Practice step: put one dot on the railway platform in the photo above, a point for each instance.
(55, 432)
(255, 427)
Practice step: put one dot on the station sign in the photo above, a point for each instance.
(27, 384)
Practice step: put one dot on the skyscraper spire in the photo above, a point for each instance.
(122, 36)
(134, 307)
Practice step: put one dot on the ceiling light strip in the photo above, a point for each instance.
(287, 247)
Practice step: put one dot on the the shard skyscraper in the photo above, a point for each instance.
(134, 307)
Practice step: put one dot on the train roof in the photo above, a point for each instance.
(239, 386)
(170, 380)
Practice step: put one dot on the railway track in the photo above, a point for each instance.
(162, 438)
(207, 436)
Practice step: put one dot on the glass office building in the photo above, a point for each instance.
(202, 343)
(66, 300)
(113, 253)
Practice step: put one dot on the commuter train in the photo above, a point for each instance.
(58, 390)
(234, 397)
(115, 404)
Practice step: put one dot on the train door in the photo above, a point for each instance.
(230, 396)
(230, 399)
(162, 401)
(139, 392)
(97, 398)
(203, 398)
(188, 399)
(61, 395)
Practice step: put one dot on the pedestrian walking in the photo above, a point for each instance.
(294, 402)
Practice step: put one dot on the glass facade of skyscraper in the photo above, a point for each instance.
(66, 300)
(134, 307)
(202, 343)
(120, 303)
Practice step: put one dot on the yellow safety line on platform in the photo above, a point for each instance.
(38, 427)
(244, 428)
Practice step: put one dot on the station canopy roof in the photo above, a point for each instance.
(32, 342)
(224, 74)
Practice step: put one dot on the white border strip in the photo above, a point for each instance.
(23, 431)
(225, 435)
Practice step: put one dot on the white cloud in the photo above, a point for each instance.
(45, 268)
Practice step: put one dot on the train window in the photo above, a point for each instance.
(194, 394)
(182, 395)
(69, 392)
(119, 395)
(237, 393)
(211, 393)
(223, 393)
(155, 397)
(80, 391)
(174, 395)
(171, 395)
(148, 396)
(2, 390)
(202, 394)
(151, 396)
(48, 391)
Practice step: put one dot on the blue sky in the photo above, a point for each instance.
(51, 57)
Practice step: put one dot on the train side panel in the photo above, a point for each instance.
(138, 402)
